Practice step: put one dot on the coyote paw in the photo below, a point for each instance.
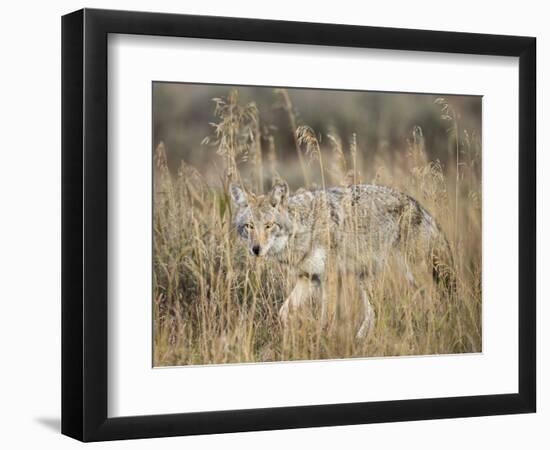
(366, 328)
(368, 323)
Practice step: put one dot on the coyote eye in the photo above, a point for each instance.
(249, 226)
(268, 225)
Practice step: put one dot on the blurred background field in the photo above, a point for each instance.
(382, 122)
(215, 304)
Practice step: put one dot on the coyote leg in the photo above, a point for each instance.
(303, 291)
(324, 308)
(418, 291)
(404, 266)
(369, 314)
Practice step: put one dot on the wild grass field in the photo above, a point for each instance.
(213, 303)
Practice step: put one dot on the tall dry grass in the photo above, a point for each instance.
(213, 303)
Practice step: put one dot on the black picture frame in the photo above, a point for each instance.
(84, 224)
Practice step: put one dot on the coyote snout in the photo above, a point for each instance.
(358, 226)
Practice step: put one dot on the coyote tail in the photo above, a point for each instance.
(443, 266)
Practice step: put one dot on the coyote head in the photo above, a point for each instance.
(262, 220)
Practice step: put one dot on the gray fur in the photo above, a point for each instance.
(358, 226)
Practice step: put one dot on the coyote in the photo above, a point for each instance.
(356, 227)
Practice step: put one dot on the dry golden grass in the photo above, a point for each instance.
(213, 303)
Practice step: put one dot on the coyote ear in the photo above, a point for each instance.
(238, 195)
(279, 193)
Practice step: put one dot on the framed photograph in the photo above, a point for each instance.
(273, 225)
